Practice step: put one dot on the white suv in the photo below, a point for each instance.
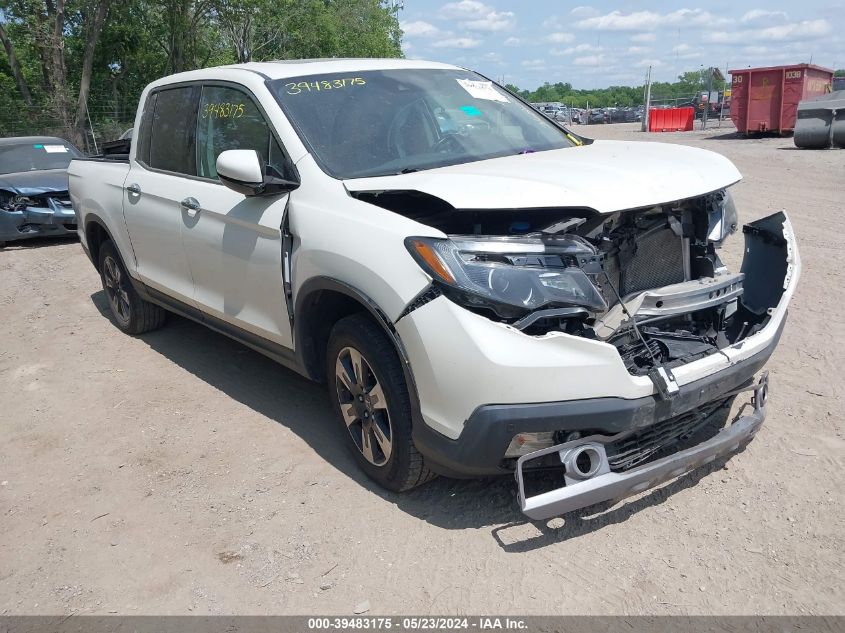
(483, 291)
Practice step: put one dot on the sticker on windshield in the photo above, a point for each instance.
(470, 110)
(295, 88)
(55, 149)
(482, 90)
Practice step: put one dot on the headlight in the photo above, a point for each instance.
(511, 275)
(723, 219)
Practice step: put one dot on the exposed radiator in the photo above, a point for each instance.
(657, 260)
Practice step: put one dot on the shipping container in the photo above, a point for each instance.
(766, 99)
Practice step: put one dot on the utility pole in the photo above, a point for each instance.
(644, 127)
(707, 103)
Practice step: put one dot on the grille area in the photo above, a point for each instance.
(651, 441)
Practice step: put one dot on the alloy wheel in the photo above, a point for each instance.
(115, 289)
(363, 406)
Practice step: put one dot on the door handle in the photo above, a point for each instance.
(191, 205)
(134, 188)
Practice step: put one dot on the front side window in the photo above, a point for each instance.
(172, 131)
(229, 119)
(376, 123)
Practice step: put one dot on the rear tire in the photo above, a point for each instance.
(370, 397)
(130, 312)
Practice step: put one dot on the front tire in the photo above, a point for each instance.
(130, 312)
(368, 390)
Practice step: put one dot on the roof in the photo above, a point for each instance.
(299, 67)
(21, 140)
(785, 66)
(302, 67)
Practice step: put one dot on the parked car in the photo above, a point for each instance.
(478, 302)
(34, 200)
(598, 116)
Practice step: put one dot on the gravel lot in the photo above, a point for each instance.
(179, 472)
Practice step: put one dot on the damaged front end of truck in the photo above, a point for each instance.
(648, 281)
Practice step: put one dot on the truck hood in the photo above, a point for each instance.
(35, 182)
(606, 176)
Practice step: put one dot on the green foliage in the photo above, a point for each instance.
(839, 73)
(142, 40)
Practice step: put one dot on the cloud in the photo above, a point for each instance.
(762, 15)
(645, 63)
(560, 38)
(463, 10)
(512, 41)
(644, 37)
(590, 60)
(581, 48)
(584, 12)
(458, 42)
(492, 57)
(477, 16)
(637, 50)
(555, 23)
(685, 51)
(492, 22)
(534, 64)
(649, 20)
(419, 29)
(757, 51)
(796, 31)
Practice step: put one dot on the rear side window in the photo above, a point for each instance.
(142, 136)
(172, 143)
(229, 119)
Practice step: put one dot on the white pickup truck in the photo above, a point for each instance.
(484, 291)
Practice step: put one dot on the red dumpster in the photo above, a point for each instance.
(766, 99)
(670, 119)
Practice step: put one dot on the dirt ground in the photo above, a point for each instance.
(179, 473)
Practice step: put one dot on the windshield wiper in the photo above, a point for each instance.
(407, 170)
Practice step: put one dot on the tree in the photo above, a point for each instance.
(66, 60)
(15, 66)
(94, 28)
(50, 22)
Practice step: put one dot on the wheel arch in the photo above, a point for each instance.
(323, 301)
(96, 233)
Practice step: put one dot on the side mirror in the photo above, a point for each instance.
(242, 170)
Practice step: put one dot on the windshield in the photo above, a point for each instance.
(386, 122)
(36, 156)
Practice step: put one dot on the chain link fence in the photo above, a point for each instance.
(105, 122)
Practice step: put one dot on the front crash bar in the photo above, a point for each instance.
(615, 486)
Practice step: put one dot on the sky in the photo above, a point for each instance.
(613, 43)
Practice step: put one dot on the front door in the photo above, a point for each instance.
(234, 242)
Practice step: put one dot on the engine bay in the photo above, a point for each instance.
(648, 281)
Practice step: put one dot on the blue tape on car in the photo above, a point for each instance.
(471, 110)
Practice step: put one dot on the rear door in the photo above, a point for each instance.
(165, 161)
(234, 242)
